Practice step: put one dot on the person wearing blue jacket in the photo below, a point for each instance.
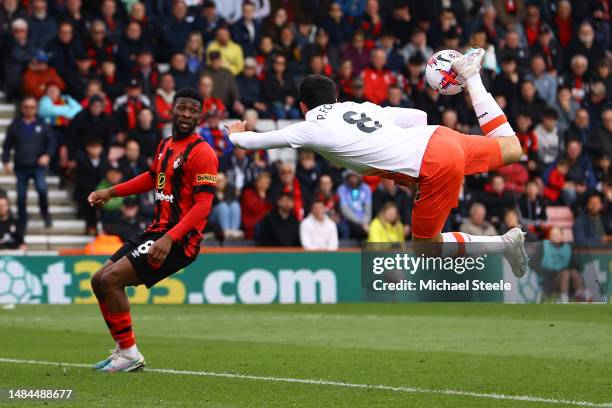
(33, 144)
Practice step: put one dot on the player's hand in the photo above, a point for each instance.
(100, 197)
(8, 168)
(236, 127)
(159, 251)
(43, 161)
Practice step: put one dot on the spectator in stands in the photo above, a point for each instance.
(33, 144)
(600, 141)
(566, 108)
(10, 10)
(531, 206)
(548, 140)
(145, 134)
(129, 224)
(563, 23)
(175, 31)
(179, 71)
(63, 49)
(497, 200)
(249, 87)
(589, 227)
(164, 95)
(506, 83)
(317, 231)
(194, 52)
(254, 203)
(205, 86)
(603, 73)
(145, 70)
(90, 122)
(512, 47)
(555, 183)
(580, 128)
(308, 170)
(91, 165)
(280, 227)
(377, 78)
(225, 86)
(231, 54)
(128, 106)
(545, 83)
(131, 44)
(386, 226)
(208, 21)
(279, 90)
(38, 75)
(110, 15)
(99, 46)
(74, 15)
(77, 80)
(56, 109)
(577, 79)
(596, 102)
(19, 52)
(325, 49)
(355, 205)
(550, 50)
(530, 102)
(239, 168)
(247, 29)
(511, 220)
(337, 25)
(111, 211)
(584, 44)
(11, 232)
(216, 135)
(290, 184)
(226, 209)
(389, 192)
(132, 163)
(476, 224)
(357, 52)
(556, 263)
(42, 26)
(417, 45)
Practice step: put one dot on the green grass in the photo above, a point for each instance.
(563, 352)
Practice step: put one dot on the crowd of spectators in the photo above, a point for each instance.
(95, 81)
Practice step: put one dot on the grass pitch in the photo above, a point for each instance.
(487, 355)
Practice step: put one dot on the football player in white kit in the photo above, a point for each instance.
(397, 144)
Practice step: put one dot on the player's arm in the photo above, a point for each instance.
(203, 174)
(295, 135)
(137, 185)
(406, 117)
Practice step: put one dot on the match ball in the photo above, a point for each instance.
(440, 74)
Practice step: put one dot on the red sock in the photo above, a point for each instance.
(105, 315)
(121, 328)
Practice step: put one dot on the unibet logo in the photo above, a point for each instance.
(161, 180)
(164, 197)
(206, 178)
(18, 285)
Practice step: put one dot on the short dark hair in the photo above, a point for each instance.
(316, 90)
(190, 93)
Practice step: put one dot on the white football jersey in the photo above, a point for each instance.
(364, 137)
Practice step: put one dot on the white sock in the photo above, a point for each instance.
(130, 352)
(564, 298)
(490, 116)
(476, 244)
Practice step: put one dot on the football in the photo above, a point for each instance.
(441, 76)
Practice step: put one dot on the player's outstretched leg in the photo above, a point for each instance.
(491, 118)
(114, 280)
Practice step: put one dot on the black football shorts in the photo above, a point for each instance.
(136, 251)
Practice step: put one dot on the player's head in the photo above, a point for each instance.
(316, 90)
(186, 112)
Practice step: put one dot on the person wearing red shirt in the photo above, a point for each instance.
(254, 204)
(376, 78)
(184, 174)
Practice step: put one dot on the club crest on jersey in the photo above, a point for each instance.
(161, 180)
(178, 161)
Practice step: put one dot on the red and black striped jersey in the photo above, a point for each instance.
(182, 169)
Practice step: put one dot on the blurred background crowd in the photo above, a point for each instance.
(94, 80)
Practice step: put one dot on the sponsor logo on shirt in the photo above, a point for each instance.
(159, 196)
(161, 180)
(206, 179)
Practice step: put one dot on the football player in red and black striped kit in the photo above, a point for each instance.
(184, 174)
